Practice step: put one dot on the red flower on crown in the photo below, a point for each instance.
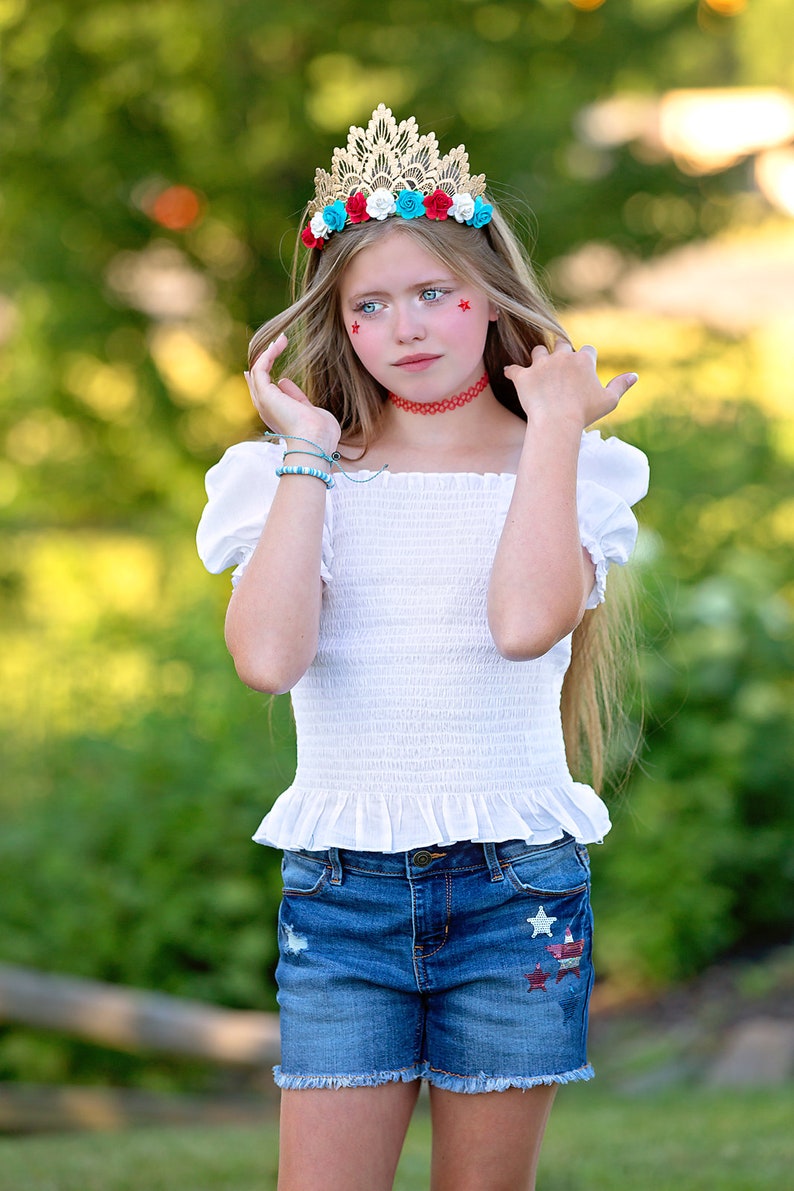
(437, 204)
(356, 207)
(309, 238)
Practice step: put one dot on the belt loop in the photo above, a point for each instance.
(336, 866)
(492, 860)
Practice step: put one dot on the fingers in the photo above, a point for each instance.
(259, 375)
(274, 349)
(263, 366)
(291, 389)
(561, 347)
(539, 352)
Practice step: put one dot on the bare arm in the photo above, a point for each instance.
(542, 576)
(272, 622)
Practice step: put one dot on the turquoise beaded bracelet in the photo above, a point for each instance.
(327, 479)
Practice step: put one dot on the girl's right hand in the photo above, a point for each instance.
(284, 408)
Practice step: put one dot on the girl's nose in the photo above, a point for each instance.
(409, 325)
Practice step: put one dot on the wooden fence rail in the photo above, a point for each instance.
(135, 1020)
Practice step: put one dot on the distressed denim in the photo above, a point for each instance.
(467, 965)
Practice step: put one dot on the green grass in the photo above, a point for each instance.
(597, 1141)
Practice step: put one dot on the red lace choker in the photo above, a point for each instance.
(440, 407)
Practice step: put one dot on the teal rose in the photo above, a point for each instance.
(335, 215)
(410, 204)
(482, 213)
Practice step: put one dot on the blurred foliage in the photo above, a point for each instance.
(699, 862)
(155, 159)
(135, 765)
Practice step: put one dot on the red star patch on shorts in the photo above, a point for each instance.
(568, 955)
(537, 979)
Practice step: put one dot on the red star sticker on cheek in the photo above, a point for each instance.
(355, 328)
(464, 304)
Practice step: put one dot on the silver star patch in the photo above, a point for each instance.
(541, 923)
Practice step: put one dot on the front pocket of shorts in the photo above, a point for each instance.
(302, 876)
(554, 872)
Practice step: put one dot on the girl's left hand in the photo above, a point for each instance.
(563, 384)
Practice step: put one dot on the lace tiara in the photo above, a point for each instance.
(389, 169)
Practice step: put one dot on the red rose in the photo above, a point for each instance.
(309, 238)
(437, 204)
(356, 207)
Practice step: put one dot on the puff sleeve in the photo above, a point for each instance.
(240, 490)
(612, 477)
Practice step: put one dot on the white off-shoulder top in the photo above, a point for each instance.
(412, 729)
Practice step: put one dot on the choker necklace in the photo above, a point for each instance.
(440, 407)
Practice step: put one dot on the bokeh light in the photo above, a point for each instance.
(726, 8)
(711, 129)
(176, 207)
(774, 173)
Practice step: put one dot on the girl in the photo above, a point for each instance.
(413, 557)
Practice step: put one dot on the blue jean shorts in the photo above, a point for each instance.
(467, 965)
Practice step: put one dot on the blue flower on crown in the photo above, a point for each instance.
(482, 213)
(335, 215)
(410, 204)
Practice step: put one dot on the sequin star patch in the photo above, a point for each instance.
(568, 955)
(569, 1004)
(537, 979)
(541, 924)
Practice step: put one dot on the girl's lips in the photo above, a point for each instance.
(415, 363)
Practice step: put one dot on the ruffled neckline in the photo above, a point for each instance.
(460, 479)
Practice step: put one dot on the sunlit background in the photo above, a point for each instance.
(154, 158)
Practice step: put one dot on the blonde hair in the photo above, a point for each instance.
(323, 363)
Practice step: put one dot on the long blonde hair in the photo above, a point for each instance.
(323, 363)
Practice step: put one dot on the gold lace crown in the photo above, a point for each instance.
(389, 169)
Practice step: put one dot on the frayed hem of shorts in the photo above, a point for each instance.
(473, 1084)
(371, 1080)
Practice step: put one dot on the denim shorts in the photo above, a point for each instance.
(467, 965)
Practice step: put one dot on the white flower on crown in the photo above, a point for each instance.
(381, 204)
(462, 207)
(319, 226)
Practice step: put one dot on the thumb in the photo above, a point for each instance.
(620, 385)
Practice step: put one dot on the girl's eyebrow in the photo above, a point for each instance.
(383, 293)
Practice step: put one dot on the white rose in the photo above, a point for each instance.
(319, 227)
(381, 204)
(462, 207)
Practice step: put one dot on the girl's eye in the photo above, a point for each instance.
(432, 295)
(367, 307)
